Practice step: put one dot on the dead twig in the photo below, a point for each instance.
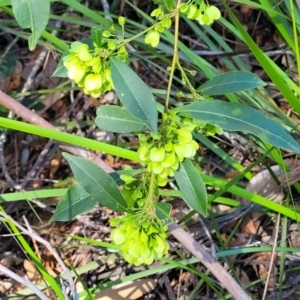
(209, 262)
(272, 257)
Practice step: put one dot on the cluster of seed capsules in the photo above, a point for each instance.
(141, 240)
(163, 153)
(153, 36)
(141, 236)
(89, 68)
(205, 14)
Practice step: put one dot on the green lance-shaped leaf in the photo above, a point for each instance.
(33, 14)
(96, 182)
(192, 187)
(240, 117)
(96, 35)
(75, 202)
(134, 93)
(230, 82)
(163, 211)
(118, 119)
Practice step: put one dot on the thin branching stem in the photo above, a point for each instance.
(175, 54)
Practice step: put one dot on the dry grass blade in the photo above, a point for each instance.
(24, 281)
(30, 232)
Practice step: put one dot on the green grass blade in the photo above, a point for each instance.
(68, 138)
(279, 21)
(252, 197)
(265, 62)
(87, 12)
(46, 193)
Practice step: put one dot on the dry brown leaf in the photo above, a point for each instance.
(31, 271)
(263, 183)
(128, 290)
(50, 100)
(263, 268)
(231, 174)
(294, 239)
(59, 107)
(262, 272)
(248, 226)
(6, 286)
